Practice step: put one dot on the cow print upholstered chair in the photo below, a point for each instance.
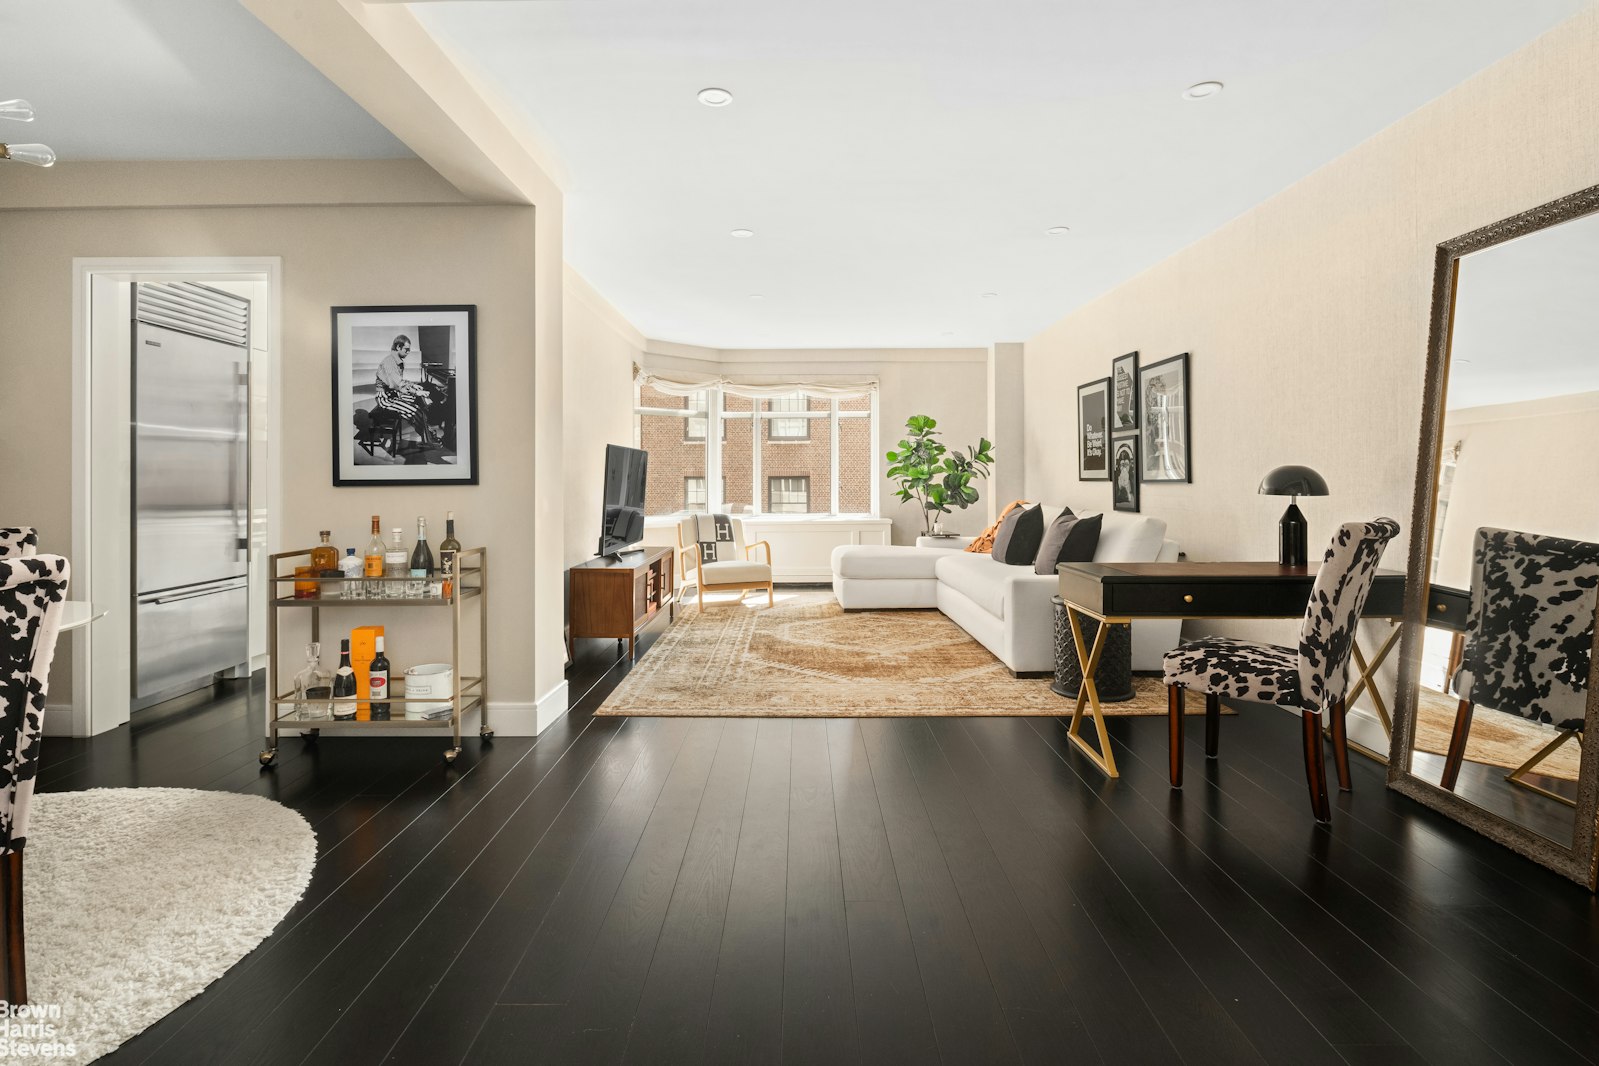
(1529, 639)
(18, 541)
(32, 591)
(1312, 679)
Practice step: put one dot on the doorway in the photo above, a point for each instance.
(105, 445)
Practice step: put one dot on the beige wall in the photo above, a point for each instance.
(601, 347)
(332, 255)
(1522, 466)
(1307, 317)
(951, 384)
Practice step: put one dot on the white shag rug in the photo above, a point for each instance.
(138, 898)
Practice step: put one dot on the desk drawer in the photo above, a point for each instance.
(1207, 599)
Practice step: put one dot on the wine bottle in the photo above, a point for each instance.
(377, 683)
(373, 562)
(344, 685)
(449, 548)
(421, 559)
(396, 568)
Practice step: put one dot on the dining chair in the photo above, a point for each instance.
(1528, 641)
(1312, 678)
(712, 548)
(32, 591)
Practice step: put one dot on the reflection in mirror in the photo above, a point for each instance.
(1515, 552)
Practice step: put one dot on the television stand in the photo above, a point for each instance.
(618, 595)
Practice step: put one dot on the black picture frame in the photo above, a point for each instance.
(1093, 430)
(1165, 427)
(428, 434)
(1124, 393)
(1124, 491)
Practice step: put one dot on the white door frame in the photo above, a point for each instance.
(93, 403)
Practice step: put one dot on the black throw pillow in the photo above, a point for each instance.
(1069, 540)
(1016, 543)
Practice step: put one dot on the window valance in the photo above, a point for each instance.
(687, 386)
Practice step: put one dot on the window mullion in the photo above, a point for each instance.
(713, 452)
(832, 424)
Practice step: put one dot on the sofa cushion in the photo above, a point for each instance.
(979, 578)
(1016, 543)
(1126, 538)
(886, 561)
(1069, 539)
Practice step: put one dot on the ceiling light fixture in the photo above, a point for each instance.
(1201, 90)
(714, 97)
(38, 155)
(989, 295)
(756, 296)
(1056, 231)
(741, 233)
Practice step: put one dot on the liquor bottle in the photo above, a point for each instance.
(377, 683)
(344, 686)
(350, 567)
(449, 548)
(396, 567)
(421, 559)
(373, 562)
(325, 556)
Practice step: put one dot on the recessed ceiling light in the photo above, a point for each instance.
(989, 295)
(714, 97)
(949, 333)
(741, 233)
(1202, 90)
(1056, 231)
(756, 296)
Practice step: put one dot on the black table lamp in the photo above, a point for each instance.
(1292, 481)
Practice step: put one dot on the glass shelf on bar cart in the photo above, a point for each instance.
(468, 685)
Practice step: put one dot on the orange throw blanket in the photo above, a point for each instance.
(985, 540)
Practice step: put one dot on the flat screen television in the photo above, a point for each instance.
(622, 522)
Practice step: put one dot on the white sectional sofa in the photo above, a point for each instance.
(1007, 609)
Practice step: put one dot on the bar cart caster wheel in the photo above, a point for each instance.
(269, 756)
(486, 734)
(310, 735)
(450, 754)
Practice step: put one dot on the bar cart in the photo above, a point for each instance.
(470, 583)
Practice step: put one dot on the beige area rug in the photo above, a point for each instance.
(1495, 739)
(808, 658)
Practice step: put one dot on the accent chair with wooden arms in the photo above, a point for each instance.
(1529, 640)
(701, 564)
(1312, 679)
(32, 591)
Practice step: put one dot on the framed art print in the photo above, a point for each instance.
(1124, 472)
(1124, 393)
(1093, 430)
(405, 395)
(1163, 412)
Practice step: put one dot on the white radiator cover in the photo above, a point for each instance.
(802, 547)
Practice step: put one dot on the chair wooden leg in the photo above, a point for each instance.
(1340, 739)
(771, 597)
(699, 590)
(1212, 724)
(1457, 745)
(1316, 768)
(15, 961)
(1174, 725)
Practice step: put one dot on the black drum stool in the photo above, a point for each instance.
(1114, 678)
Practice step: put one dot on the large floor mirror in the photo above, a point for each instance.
(1497, 707)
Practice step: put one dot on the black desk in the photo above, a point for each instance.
(1121, 593)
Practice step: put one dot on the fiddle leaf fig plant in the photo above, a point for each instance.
(937, 479)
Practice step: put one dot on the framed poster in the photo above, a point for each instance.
(405, 395)
(1093, 430)
(1124, 393)
(1124, 469)
(1163, 413)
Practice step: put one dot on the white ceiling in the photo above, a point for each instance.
(173, 79)
(1527, 318)
(899, 158)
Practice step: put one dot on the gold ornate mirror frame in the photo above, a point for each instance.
(1576, 860)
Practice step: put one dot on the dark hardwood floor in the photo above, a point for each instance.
(863, 890)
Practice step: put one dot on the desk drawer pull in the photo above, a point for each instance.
(1440, 607)
(1188, 598)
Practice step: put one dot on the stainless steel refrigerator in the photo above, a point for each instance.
(191, 347)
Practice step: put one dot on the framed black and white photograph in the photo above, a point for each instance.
(1124, 393)
(1124, 472)
(405, 395)
(1163, 413)
(1093, 430)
